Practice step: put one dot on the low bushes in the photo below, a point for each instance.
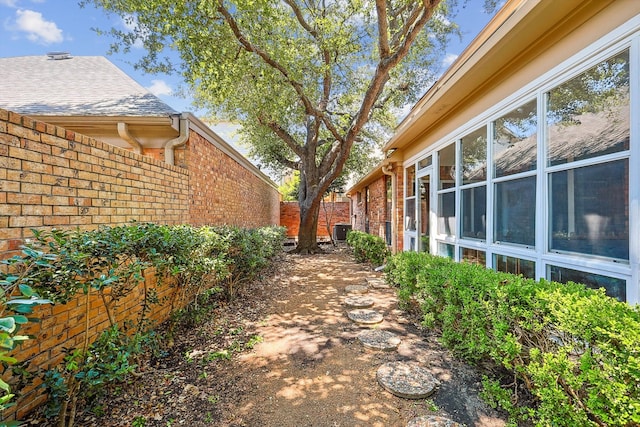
(111, 262)
(576, 350)
(367, 247)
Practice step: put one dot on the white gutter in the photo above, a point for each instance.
(387, 170)
(171, 145)
(123, 131)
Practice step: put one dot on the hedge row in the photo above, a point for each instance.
(367, 247)
(112, 261)
(575, 349)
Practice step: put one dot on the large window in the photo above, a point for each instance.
(544, 181)
(515, 150)
(588, 118)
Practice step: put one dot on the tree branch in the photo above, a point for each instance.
(383, 28)
(283, 135)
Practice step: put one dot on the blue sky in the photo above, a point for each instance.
(35, 27)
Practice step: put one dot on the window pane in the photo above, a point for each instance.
(589, 211)
(515, 139)
(446, 250)
(474, 212)
(446, 161)
(424, 163)
(616, 288)
(513, 265)
(411, 181)
(588, 116)
(474, 156)
(410, 214)
(516, 211)
(474, 256)
(447, 213)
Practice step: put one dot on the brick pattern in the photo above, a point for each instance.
(222, 192)
(374, 212)
(51, 177)
(290, 217)
(378, 214)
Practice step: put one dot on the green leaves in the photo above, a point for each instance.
(367, 247)
(574, 348)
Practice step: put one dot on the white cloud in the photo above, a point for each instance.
(37, 28)
(9, 3)
(159, 87)
(449, 59)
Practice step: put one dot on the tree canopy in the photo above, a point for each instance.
(313, 83)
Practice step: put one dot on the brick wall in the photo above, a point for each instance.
(290, 217)
(372, 212)
(51, 177)
(222, 192)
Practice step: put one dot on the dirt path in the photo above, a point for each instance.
(309, 369)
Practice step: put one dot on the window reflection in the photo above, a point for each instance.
(614, 287)
(588, 116)
(446, 161)
(446, 250)
(515, 137)
(410, 214)
(589, 210)
(474, 256)
(474, 156)
(411, 181)
(514, 265)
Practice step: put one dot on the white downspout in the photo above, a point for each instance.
(123, 131)
(171, 145)
(387, 170)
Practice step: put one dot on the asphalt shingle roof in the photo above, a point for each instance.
(78, 86)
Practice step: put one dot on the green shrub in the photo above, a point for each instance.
(113, 261)
(576, 350)
(367, 247)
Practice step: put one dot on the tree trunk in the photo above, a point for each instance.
(308, 231)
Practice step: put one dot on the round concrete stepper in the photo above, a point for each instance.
(377, 339)
(432, 421)
(365, 316)
(407, 380)
(377, 283)
(356, 289)
(358, 302)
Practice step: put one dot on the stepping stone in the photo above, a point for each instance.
(379, 340)
(358, 302)
(432, 421)
(407, 380)
(356, 289)
(377, 283)
(365, 316)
